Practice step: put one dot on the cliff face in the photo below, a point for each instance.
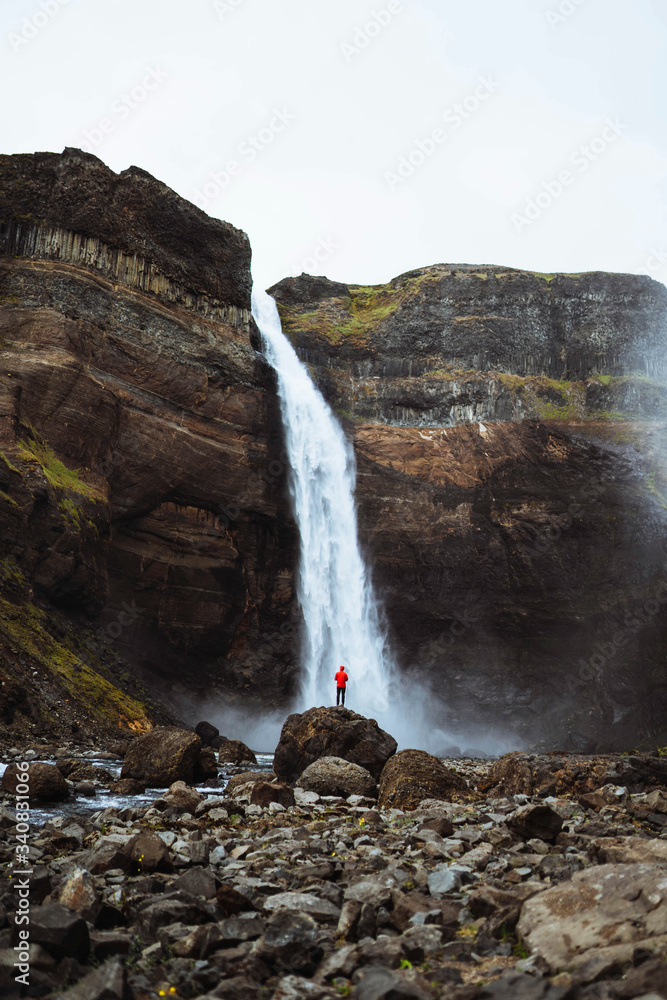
(140, 478)
(509, 432)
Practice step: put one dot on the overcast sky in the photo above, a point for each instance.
(360, 139)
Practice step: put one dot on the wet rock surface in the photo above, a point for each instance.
(331, 732)
(276, 896)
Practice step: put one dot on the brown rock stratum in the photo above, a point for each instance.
(509, 434)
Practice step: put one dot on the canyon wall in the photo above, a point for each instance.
(141, 486)
(509, 433)
(509, 429)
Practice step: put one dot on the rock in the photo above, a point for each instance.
(266, 792)
(519, 986)
(594, 922)
(649, 977)
(61, 931)
(79, 894)
(199, 943)
(302, 902)
(127, 786)
(207, 765)
(536, 821)
(439, 824)
(631, 850)
(197, 882)
(107, 857)
(232, 902)
(108, 982)
(161, 757)
(443, 880)
(171, 909)
(207, 733)
(331, 732)
(105, 944)
(298, 988)
(182, 797)
(419, 943)
(414, 775)
(240, 781)
(148, 853)
(46, 783)
(379, 983)
(290, 941)
(235, 752)
(335, 776)
(408, 906)
(244, 927)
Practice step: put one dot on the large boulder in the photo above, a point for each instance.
(331, 732)
(596, 921)
(164, 755)
(235, 752)
(335, 776)
(45, 781)
(414, 775)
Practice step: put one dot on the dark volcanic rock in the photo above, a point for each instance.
(414, 775)
(76, 193)
(45, 781)
(163, 756)
(235, 752)
(331, 732)
(62, 932)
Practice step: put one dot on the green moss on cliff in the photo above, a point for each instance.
(26, 626)
(352, 319)
(67, 483)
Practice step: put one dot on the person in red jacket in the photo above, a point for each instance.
(341, 682)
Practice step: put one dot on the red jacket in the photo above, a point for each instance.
(341, 679)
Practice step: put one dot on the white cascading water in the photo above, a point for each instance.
(341, 620)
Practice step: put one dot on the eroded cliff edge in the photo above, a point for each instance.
(138, 435)
(509, 429)
(509, 432)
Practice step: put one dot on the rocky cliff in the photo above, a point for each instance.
(508, 427)
(509, 431)
(140, 478)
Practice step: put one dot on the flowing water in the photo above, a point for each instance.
(342, 623)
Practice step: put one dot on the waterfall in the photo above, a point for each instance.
(340, 613)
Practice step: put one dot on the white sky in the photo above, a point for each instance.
(221, 71)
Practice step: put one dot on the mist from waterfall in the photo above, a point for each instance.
(342, 622)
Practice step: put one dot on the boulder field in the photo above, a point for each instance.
(532, 877)
(508, 428)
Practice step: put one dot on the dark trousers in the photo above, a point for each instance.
(340, 696)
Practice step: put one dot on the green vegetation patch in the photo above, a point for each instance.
(25, 626)
(33, 447)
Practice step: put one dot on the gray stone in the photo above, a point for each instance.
(443, 880)
(594, 922)
(321, 910)
(335, 776)
(379, 983)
